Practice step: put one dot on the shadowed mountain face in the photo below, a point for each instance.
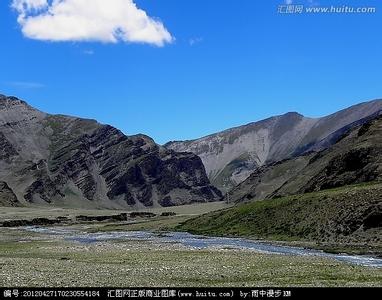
(232, 155)
(7, 197)
(67, 161)
(355, 158)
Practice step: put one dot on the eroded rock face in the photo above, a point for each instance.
(6, 149)
(354, 166)
(7, 197)
(83, 163)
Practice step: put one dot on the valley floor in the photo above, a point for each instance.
(30, 260)
(35, 259)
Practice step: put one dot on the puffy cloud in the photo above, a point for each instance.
(107, 21)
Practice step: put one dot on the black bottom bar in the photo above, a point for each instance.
(188, 293)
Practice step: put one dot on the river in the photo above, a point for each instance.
(201, 242)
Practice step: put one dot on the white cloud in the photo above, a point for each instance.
(88, 52)
(108, 21)
(194, 41)
(25, 84)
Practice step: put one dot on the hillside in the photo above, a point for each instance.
(355, 158)
(350, 216)
(67, 161)
(231, 156)
(333, 197)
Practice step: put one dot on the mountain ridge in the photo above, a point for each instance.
(230, 156)
(64, 160)
(354, 158)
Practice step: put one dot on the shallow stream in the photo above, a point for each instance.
(201, 242)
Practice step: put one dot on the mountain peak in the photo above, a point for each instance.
(293, 114)
(230, 156)
(6, 101)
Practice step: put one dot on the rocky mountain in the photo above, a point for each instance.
(67, 161)
(232, 155)
(7, 197)
(355, 158)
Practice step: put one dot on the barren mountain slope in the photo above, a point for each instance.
(355, 158)
(68, 161)
(232, 155)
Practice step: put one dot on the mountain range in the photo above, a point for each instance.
(67, 161)
(232, 155)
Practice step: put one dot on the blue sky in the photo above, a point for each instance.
(211, 66)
